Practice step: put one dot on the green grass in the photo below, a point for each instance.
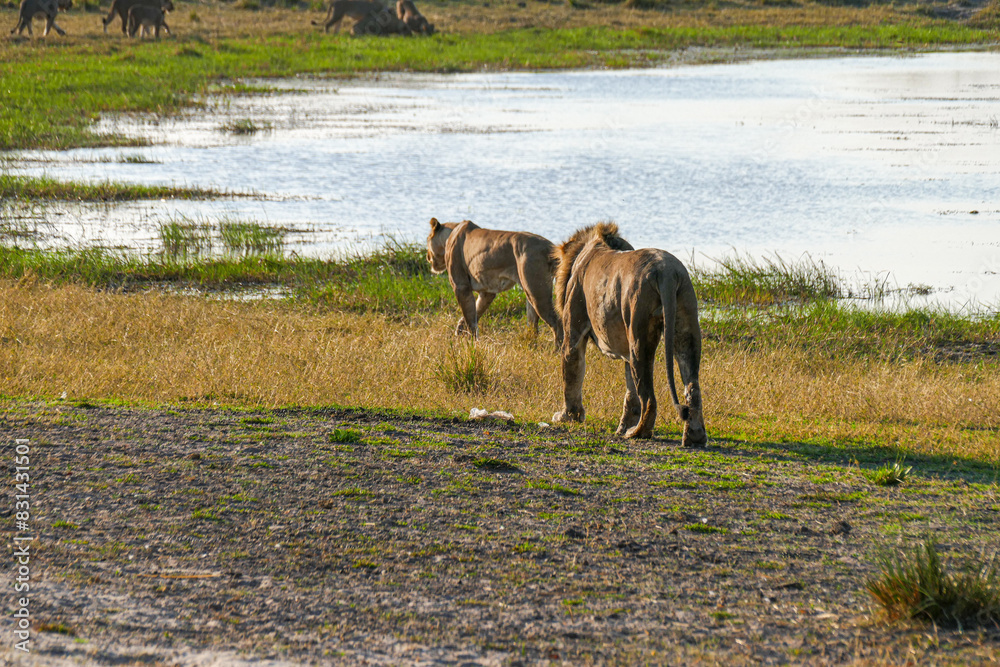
(185, 240)
(890, 474)
(835, 328)
(346, 435)
(918, 584)
(52, 95)
(745, 280)
(25, 188)
(251, 238)
(396, 281)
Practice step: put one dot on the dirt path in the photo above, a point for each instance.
(213, 537)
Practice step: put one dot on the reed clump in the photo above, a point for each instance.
(33, 188)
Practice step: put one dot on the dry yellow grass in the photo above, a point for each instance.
(154, 347)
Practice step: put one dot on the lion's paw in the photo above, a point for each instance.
(564, 416)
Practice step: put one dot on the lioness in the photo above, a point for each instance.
(407, 12)
(489, 261)
(146, 17)
(122, 7)
(623, 299)
(356, 9)
(31, 8)
(382, 22)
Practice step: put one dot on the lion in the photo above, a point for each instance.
(381, 22)
(122, 7)
(31, 8)
(623, 299)
(407, 12)
(146, 17)
(355, 9)
(490, 261)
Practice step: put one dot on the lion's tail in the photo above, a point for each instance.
(668, 299)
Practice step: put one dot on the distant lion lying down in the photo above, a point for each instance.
(490, 261)
(623, 300)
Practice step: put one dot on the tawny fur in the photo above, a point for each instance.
(490, 261)
(623, 300)
(370, 16)
(408, 13)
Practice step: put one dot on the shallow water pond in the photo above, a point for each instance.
(880, 167)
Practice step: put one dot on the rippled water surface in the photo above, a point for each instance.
(873, 165)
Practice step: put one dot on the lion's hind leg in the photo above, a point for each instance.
(574, 363)
(694, 427)
(643, 337)
(632, 409)
(687, 352)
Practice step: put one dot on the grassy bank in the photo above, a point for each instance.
(812, 370)
(753, 304)
(54, 89)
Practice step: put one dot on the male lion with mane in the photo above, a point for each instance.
(490, 261)
(623, 299)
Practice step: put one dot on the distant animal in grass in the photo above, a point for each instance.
(407, 12)
(29, 9)
(382, 22)
(490, 261)
(355, 9)
(623, 300)
(122, 7)
(145, 17)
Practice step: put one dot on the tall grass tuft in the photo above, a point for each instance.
(744, 280)
(183, 240)
(917, 584)
(251, 238)
(890, 474)
(465, 369)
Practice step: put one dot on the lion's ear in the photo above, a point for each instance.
(435, 224)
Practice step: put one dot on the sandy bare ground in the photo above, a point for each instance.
(210, 537)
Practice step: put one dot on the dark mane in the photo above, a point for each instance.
(604, 233)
